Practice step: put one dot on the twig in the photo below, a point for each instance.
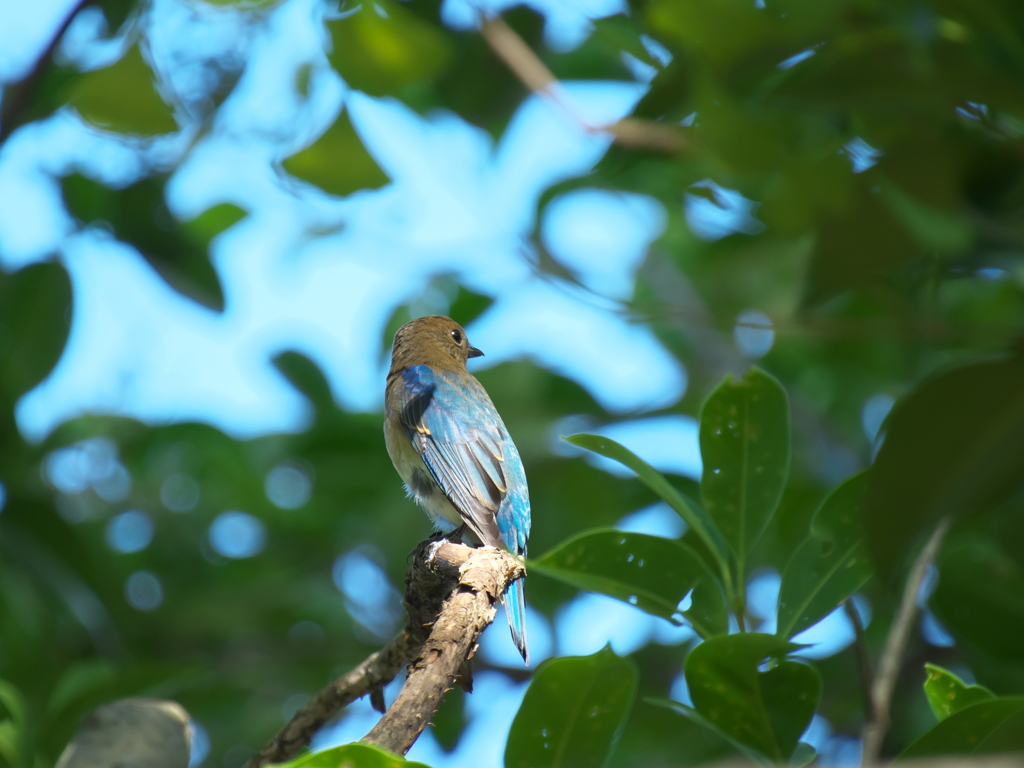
(860, 644)
(17, 95)
(895, 644)
(450, 594)
(466, 613)
(535, 75)
(379, 669)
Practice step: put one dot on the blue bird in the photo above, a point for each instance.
(451, 448)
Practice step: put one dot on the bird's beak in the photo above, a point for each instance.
(474, 352)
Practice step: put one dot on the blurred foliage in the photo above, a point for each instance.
(880, 145)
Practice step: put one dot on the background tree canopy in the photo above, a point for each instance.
(214, 215)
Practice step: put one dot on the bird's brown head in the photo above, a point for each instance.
(435, 340)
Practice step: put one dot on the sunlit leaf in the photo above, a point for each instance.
(122, 97)
(351, 756)
(953, 446)
(652, 573)
(573, 712)
(765, 708)
(948, 694)
(983, 728)
(383, 46)
(830, 565)
(337, 162)
(744, 444)
(695, 517)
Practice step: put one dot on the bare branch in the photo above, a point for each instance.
(19, 94)
(482, 579)
(379, 669)
(895, 644)
(450, 594)
(535, 75)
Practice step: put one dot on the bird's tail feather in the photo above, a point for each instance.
(515, 609)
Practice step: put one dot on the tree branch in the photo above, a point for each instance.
(451, 591)
(482, 580)
(535, 75)
(895, 644)
(17, 95)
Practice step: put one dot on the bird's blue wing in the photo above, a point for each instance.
(456, 430)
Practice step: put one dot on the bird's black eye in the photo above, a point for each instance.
(457, 335)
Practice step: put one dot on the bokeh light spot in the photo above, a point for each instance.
(130, 531)
(237, 535)
(144, 591)
(179, 492)
(288, 485)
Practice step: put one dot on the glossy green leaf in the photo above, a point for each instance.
(948, 694)
(830, 565)
(383, 46)
(122, 98)
(695, 517)
(968, 460)
(744, 444)
(351, 756)
(696, 717)
(573, 712)
(765, 710)
(337, 162)
(652, 573)
(985, 727)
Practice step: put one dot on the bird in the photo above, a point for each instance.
(452, 450)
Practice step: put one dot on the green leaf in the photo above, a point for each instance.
(744, 444)
(34, 304)
(983, 728)
(830, 565)
(337, 162)
(948, 694)
(383, 47)
(766, 710)
(936, 230)
(805, 754)
(351, 756)
(122, 98)
(695, 517)
(211, 222)
(652, 573)
(696, 717)
(573, 712)
(969, 460)
(980, 596)
(12, 723)
(139, 216)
